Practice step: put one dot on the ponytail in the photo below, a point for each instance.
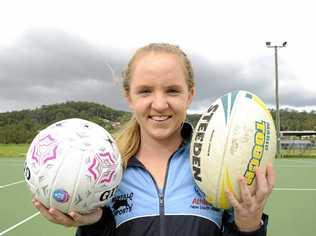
(128, 140)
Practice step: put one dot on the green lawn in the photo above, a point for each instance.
(19, 150)
(13, 150)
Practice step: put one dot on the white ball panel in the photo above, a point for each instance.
(60, 162)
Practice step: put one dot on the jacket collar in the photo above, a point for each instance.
(186, 133)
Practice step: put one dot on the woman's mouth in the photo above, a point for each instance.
(159, 118)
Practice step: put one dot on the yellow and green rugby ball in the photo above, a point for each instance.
(234, 135)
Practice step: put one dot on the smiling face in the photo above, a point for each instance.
(159, 95)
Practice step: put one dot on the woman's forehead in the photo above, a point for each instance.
(162, 63)
(152, 58)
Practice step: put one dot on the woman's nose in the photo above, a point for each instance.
(160, 102)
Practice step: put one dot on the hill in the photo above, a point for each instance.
(22, 126)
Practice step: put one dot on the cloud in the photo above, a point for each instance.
(49, 66)
(214, 79)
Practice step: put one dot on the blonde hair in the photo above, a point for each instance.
(128, 139)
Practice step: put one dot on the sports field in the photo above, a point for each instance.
(292, 206)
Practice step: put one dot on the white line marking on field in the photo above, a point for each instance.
(8, 185)
(18, 224)
(295, 189)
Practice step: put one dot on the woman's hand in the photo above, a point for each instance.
(72, 219)
(248, 211)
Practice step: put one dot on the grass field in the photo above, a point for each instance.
(291, 208)
(19, 150)
(13, 150)
(301, 153)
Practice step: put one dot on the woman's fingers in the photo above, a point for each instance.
(265, 177)
(249, 208)
(72, 219)
(265, 182)
(232, 200)
(62, 218)
(245, 193)
(43, 210)
(271, 175)
(86, 219)
(262, 185)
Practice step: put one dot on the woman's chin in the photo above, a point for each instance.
(162, 134)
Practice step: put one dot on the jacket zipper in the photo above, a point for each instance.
(161, 196)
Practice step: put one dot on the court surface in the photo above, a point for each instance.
(291, 207)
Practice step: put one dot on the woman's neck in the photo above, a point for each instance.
(162, 149)
(155, 154)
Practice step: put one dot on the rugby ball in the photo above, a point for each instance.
(73, 164)
(234, 135)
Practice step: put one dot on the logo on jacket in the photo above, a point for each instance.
(122, 204)
(199, 202)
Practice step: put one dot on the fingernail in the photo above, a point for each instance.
(52, 211)
(72, 214)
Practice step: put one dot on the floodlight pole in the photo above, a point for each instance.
(277, 117)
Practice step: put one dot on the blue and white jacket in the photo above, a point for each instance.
(140, 208)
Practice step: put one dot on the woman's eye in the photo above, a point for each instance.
(143, 92)
(173, 92)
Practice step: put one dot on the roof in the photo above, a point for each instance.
(296, 141)
(298, 133)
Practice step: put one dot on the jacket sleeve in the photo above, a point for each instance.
(230, 229)
(104, 227)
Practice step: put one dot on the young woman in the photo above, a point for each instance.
(158, 195)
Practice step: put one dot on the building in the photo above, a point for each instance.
(296, 144)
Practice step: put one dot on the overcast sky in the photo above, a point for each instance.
(58, 51)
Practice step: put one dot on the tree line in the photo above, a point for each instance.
(22, 126)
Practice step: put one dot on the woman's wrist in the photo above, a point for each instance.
(249, 226)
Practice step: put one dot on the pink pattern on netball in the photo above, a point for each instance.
(44, 150)
(103, 167)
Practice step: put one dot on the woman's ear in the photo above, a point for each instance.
(191, 95)
(129, 101)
